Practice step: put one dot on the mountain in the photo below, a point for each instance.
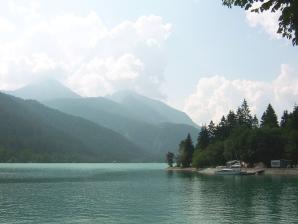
(132, 105)
(150, 110)
(44, 90)
(147, 123)
(156, 138)
(30, 131)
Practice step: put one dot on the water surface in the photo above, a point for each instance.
(140, 193)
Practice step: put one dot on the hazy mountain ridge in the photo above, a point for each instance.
(124, 103)
(149, 124)
(143, 108)
(30, 127)
(44, 90)
(157, 138)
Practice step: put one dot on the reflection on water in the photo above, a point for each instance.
(140, 193)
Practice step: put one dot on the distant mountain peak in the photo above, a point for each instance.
(121, 95)
(45, 89)
(150, 110)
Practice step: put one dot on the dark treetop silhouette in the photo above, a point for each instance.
(288, 20)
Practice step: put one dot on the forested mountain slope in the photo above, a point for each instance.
(30, 131)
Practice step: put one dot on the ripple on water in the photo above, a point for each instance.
(140, 193)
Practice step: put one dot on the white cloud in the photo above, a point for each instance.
(82, 51)
(119, 72)
(152, 30)
(215, 96)
(6, 26)
(266, 20)
(28, 9)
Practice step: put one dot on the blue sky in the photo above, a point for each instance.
(205, 45)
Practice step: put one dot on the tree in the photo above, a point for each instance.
(284, 119)
(189, 148)
(256, 144)
(212, 156)
(231, 120)
(288, 20)
(221, 132)
(170, 158)
(186, 150)
(211, 130)
(255, 122)
(293, 119)
(269, 118)
(203, 138)
(291, 147)
(243, 115)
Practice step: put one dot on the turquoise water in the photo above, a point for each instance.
(140, 193)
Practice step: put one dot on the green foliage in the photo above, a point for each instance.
(170, 158)
(284, 119)
(288, 21)
(213, 155)
(186, 150)
(240, 138)
(203, 138)
(211, 131)
(255, 122)
(130, 120)
(31, 132)
(293, 119)
(291, 147)
(269, 118)
(244, 117)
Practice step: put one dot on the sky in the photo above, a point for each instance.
(197, 56)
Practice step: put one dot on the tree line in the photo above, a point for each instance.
(240, 136)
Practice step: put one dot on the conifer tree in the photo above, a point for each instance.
(269, 118)
(243, 115)
(284, 119)
(189, 147)
(231, 120)
(203, 138)
(170, 158)
(186, 150)
(293, 119)
(211, 130)
(222, 129)
(255, 122)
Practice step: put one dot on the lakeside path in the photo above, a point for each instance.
(211, 171)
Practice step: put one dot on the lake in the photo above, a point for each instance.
(140, 193)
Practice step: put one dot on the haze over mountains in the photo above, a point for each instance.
(32, 132)
(44, 90)
(139, 128)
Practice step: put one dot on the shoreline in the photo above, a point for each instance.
(267, 171)
(188, 169)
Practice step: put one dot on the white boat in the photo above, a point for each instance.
(232, 168)
(228, 171)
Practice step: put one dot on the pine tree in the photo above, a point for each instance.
(231, 120)
(186, 150)
(211, 131)
(293, 119)
(181, 156)
(170, 158)
(189, 147)
(255, 122)
(221, 131)
(284, 119)
(203, 138)
(269, 118)
(243, 115)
